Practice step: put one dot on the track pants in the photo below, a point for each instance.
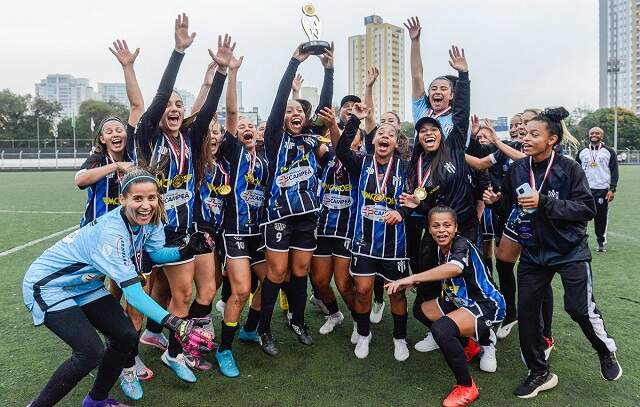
(602, 214)
(579, 303)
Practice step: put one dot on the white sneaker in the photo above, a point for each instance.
(354, 334)
(318, 303)
(488, 361)
(375, 316)
(332, 321)
(505, 330)
(427, 344)
(400, 350)
(220, 306)
(362, 347)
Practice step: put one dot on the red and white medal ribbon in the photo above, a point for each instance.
(137, 254)
(432, 114)
(422, 181)
(179, 159)
(226, 174)
(381, 188)
(594, 157)
(532, 180)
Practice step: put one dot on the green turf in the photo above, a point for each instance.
(327, 373)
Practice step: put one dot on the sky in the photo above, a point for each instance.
(521, 53)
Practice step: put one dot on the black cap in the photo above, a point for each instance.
(430, 120)
(350, 98)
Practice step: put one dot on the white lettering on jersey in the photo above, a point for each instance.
(335, 201)
(176, 197)
(294, 176)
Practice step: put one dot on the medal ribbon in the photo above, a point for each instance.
(137, 255)
(111, 160)
(432, 114)
(252, 162)
(422, 181)
(179, 159)
(594, 157)
(532, 180)
(226, 174)
(381, 188)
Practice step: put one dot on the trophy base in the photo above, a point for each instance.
(316, 47)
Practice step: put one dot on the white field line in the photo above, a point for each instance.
(34, 242)
(43, 212)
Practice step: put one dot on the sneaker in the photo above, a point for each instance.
(227, 364)
(302, 332)
(268, 344)
(488, 361)
(331, 322)
(220, 306)
(427, 344)
(354, 334)
(400, 349)
(362, 346)
(602, 247)
(550, 345)
(130, 385)
(535, 383)
(609, 367)
(505, 329)
(284, 301)
(198, 363)
(155, 340)
(471, 350)
(318, 303)
(248, 336)
(89, 402)
(142, 371)
(179, 367)
(461, 395)
(375, 316)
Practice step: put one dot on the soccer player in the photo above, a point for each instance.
(378, 244)
(64, 290)
(470, 304)
(600, 164)
(554, 204)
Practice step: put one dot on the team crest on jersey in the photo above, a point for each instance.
(450, 167)
(162, 150)
(279, 226)
(289, 145)
(369, 170)
(396, 181)
(447, 128)
(553, 194)
(402, 266)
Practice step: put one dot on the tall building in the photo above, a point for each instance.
(113, 92)
(187, 100)
(311, 94)
(620, 54)
(70, 92)
(381, 46)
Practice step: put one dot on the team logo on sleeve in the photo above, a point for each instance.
(294, 176)
(374, 212)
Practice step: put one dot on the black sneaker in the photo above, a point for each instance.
(268, 344)
(609, 367)
(602, 247)
(302, 332)
(535, 383)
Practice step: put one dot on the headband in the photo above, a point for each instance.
(123, 187)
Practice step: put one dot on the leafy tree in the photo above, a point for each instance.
(628, 127)
(13, 109)
(97, 110)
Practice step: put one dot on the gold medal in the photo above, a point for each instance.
(224, 189)
(309, 10)
(594, 164)
(420, 193)
(250, 178)
(378, 197)
(324, 140)
(178, 180)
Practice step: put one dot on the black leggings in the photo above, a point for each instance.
(77, 326)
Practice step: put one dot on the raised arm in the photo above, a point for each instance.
(326, 94)
(126, 58)
(231, 121)
(296, 85)
(204, 88)
(462, 100)
(370, 120)
(417, 79)
(351, 160)
(328, 118)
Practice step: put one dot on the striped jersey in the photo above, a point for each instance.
(474, 288)
(248, 178)
(209, 202)
(338, 194)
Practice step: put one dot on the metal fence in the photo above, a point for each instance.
(46, 144)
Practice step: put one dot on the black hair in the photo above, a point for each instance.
(442, 209)
(452, 79)
(440, 157)
(553, 117)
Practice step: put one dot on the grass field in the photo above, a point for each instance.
(326, 374)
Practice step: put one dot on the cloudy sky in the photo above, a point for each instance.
(521, 53)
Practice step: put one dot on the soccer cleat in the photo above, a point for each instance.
(142, 371)
(302, 332)
(284, 301)
(427, 344)
(535, 383)
(179, 367)
(268, 344)
(130, 385)
(227, 364)
(505, 329)
(331, 322)
(610, 369)
(318, 303)
(375, 316)
(461, 395)
(488, 361)
(471, 350)
(602, 247)
(198, 363)
(362, 347)
(248, 336)
(354, 333)
(400, 349)
(155, 340)
(220, 306)
(89, 402)
(550, 344)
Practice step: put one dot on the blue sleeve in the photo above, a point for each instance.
(156, 239)
(419, 108)
(138, 299)
(165, 255)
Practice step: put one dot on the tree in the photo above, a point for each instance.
(408, 130)
(13, 109)
(628, 127)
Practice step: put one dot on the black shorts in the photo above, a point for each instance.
(483, 322)
(390, 270)
(242, 247)
(294, 232)
(328, 246)
(175, 239)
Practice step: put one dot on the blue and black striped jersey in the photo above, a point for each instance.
(338, 196)
(210, 203)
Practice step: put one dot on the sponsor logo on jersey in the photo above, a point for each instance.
(215, 205)
(110, 201)
(253, 197)
(335, 201)
(374, 212)
(294, 176)
(337, 187)
(370, 195)
(176, 197)
(279, 226)
(176, 181)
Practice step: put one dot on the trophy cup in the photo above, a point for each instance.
(312, 26)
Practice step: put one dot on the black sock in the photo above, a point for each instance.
(332, 307)
(298, 299)
(378, 290)
(197, 310)
(254, 283)
(399, 326)
(488, 261)
(363, 323)
(286, 287)
(153, 326)
(419, 315)
(445, 333)
(507, 288)
(268, 299)
(354, 315)
(131, 360)
(547, 312)
(252, 320)
(227, 334)
(226, 289)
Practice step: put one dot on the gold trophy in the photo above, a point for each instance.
(312, 26)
